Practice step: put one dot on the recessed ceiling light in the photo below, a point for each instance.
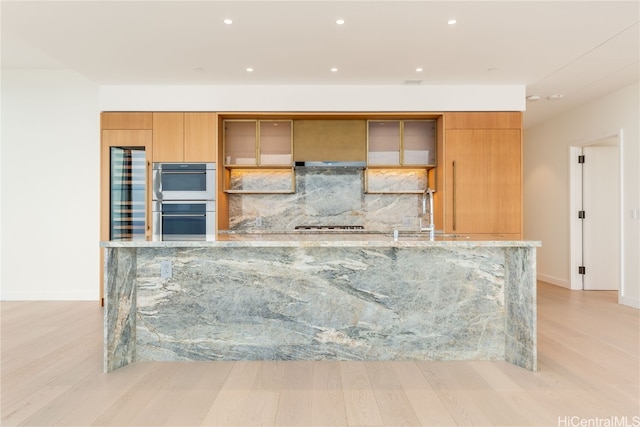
(419, 69)
(228, 21)
(555, 96)
(340, 21)
(198, 70)
(334, 70)
(249, 70)
(491, 69)
(451, 21)
(533, 98)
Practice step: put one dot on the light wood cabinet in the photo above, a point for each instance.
(200, 137)
(483, 181)
(126, 121)
(168, 137)
(184, 137)
(484, 120)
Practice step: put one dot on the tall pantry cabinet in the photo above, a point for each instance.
(482, 173)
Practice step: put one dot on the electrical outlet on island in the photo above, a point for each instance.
(165, 270)
(406, 221)
(258, 221)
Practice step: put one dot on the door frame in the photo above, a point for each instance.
(575, 202)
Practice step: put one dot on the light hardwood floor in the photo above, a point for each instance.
(588, 370)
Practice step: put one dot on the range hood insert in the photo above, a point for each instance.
(339, 164)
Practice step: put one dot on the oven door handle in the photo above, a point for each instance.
(181, 215)
(184, 172)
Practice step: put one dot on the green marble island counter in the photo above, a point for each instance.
(319, 296)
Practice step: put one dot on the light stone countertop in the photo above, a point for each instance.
(330, 239)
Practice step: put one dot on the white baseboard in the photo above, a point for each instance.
(631, 302)
(554, 280)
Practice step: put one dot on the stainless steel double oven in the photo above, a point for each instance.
(184, 201)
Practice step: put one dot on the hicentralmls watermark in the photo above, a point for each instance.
(613, 421)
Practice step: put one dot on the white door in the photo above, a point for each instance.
(601, 226)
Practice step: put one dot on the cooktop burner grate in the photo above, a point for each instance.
(329, 227)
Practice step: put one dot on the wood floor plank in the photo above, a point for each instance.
(598, 377)
(393, 403)
(630, 390)
(39, 337)
(97, 393)
(447, 387)
(424, 400)
(494, 375)
(94, 395)
(232, 400)
(192, 410)
(296, 394)
(46, 369)
(131, 403)
(29, 405)
(327, 397)
(360, 401)
(495, 407)
(259, 409)
(161, 406)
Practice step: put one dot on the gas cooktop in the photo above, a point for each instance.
(329, 228)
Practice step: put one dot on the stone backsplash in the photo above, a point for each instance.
(329, 196)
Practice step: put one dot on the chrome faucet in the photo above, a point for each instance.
(428, 193)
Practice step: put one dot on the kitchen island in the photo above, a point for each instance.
(291, 296)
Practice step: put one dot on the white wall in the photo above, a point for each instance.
(50, 186)
(546, 184)
(314, 98)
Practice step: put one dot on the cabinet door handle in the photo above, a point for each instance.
(453, 195)
(147, 181)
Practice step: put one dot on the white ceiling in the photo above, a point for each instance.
(577, 48)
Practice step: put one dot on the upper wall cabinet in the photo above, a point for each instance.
(126, 121)
(257, 143)
(274, 142)
(484, 120)
(184, 137)
(397, 143)
(383, 142)
(200, 137)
